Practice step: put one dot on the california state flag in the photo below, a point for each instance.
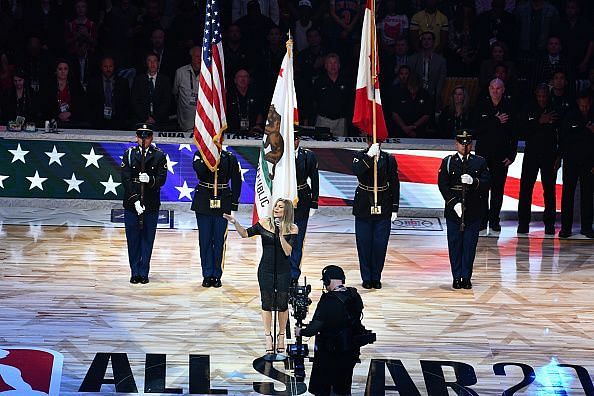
(276, 176)
(367, 89)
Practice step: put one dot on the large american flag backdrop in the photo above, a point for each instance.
(91, 170)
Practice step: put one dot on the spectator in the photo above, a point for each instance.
(310, 61)
(187, 27)
(345, 22)
(270, 60)
(84, 65)
(494, 25)
(302, 25)
(393, 25)
(268, 8)
(576, 144)
(497, 143)
(535, 21)
(391, 62)
(20, 101)
(167, 63)
(332, 97)
(429, 67)
(499, 55)
(64, 98)
(546, 64)
(6, 71)
(577, 36)
(119, 29)
(540, 123)
(236, 56)
(81, 28)
(151, 94)
(462, 45)
(185, 90)
(430, 19)
(456, 116)
(37, 64)
(109, 98)
(561, 99)
(244, 106)
(151, 20)
(411, 109)
(46, 20)
(255, 26)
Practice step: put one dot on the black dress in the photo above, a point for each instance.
(270, 246)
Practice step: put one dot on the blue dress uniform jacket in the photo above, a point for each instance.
(155, 166)
(450, 186)
(228, 171)
(306, 167)
(388, 195)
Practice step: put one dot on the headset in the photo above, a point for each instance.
(326, 277)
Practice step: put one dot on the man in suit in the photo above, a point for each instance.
(462, 178)
(151, 94)
(210, 206)
(429, 67)
(306, 167)
(109, 98)
(497, 142)
(372, 223)
(142, 199)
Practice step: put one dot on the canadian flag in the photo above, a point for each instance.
(367, 88)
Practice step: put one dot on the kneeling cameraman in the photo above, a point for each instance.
(336, 349)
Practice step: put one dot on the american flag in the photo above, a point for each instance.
(210, 120)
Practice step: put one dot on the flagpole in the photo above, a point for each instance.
(373, 111)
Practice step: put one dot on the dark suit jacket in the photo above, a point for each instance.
(437, 72)
(120, 103)
(140, 98)
(51, 108)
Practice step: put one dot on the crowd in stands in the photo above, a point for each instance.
(109, 64)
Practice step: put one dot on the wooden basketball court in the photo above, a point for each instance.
(532, 306)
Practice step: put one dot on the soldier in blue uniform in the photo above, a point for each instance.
(209, 208)
(141, 205)
(372, 223)
(306, 167)
(463, 180)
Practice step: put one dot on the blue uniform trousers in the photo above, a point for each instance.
(462, 247)
(212, 234)
(372, 236)
(297, 251)
(140, 241)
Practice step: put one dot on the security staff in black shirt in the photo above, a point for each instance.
(463, 178)
(244, 106)
(141, 205)
(306, 167)
(577, 152)
(496, 141)
(210, 206)
(335, 350)
(541, 123)
(373, 223)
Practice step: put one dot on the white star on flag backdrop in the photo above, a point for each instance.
(110, 186)
(73, 183)
(54, 156)
(92, 158)
(18, 154)
(36, 181)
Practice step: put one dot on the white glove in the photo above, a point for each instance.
(394, 216)
(143, 177)
(466, 178)
(458, 209)
(312, 211)
(373, 150)
(139, 207)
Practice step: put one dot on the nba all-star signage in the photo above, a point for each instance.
(33, 371)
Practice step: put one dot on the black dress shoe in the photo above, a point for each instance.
(367, 285)
(456, 284)
(588, 234)
(134, 279)
(496, 227)
(376, 284)
(564, 234)
(207, 282)
(216, 282)
(466, 284)
(144, 280)
(550, 230)
(523, 229)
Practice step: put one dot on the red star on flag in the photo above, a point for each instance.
(280, 72)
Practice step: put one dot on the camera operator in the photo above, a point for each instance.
(336, 351)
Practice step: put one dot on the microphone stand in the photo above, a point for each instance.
(274, 356)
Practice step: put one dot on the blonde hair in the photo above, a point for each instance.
(287, 218)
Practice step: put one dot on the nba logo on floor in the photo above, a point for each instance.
(30, 371)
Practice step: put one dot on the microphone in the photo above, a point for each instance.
(277, 222)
